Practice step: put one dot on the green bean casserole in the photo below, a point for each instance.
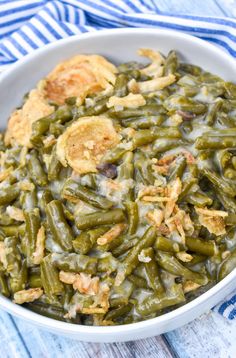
(117, 189)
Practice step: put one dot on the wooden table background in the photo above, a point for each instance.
(208, 336)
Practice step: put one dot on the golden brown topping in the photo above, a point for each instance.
(151, 85)
(174, 189)
(29, 295)
(161, 169)
(155, 199)
(184, 256)
(72, 145)
(154, 69)
(81, 282)
(20, 123)
(15, 213)
(49, 141)
(155, 217)
(190, 286)
(150, 190)
(111, 234)
(129, 101)
(38, 255)
(213, 220)
(79, 76)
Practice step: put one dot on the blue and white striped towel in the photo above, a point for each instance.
(27, 25)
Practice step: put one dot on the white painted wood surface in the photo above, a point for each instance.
(208, 336)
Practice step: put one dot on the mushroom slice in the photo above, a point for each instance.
(79, 76)
(20, 123)
(73, 148)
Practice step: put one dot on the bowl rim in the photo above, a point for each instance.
(60, 326)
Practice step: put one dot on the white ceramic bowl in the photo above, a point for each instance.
(119, 46)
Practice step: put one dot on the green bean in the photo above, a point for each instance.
(98, 108)
(163, 144)
(164, 244)
(32, 226)
(230, 173)
(35, 281)
(74, 262)
(120, 87)
(230, 90)
(29, 200)
(147, 110)
(13, 230)
(113, 216)
(72, 189)
(228, 202)
(9, 194)
(115, 154)
(60, 229)
(218, 182)
(171, 63)
(85, 241)
(198, 199)
(45, 199)
(116, 313)
(204, 247)
(128, 66)
(192, 69)
(143, 172)
(172, 265)
(175, 102)
(14, 266)
(54, 166)
(178, 168)
(107, 263)
(227, 266)
(133, 216)
(234, 162)
(36, 170)
(4, 289)
(155, 303)
(124, 247)
(50, 278)
(213, 142)
(53, 312)
(211, 115)
(131, 260)
(120, 295)
(138, 281)
(153, 272)
(231, 219)
(144, 122)
(146, 136)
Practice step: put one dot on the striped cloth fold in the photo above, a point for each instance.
(28, 25)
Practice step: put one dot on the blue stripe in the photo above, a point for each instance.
(48, 27)
(17, 46)
(14, 21)
(115, 6)
(5, 49)
(19, 9)
(232, 314)
(132, 6)
(55, 5)
(212, 20)
(27, 39)
(221, 43)
(67, 16)
(38, 33)
(226, 304)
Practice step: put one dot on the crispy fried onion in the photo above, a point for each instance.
(155, 69)
(79, 76)
(174, 189)
(162, 166)
(111, 234)
(81, 282)
(153, 85)
(3, 258)
(29, 295)
(15, 213)
(213, 220)
(129, 101)
(73, 148)
(38, 254)
(19, 127)
(190, 286)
